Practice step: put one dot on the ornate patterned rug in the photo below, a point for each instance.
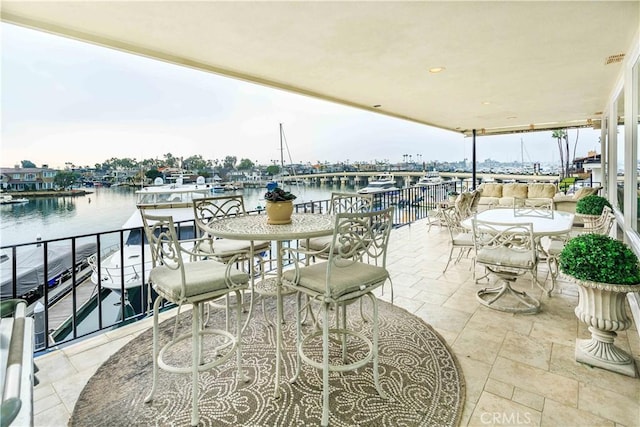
(418, 372)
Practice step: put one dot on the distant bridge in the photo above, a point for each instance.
(405, 178)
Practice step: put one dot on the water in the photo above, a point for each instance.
(104, 210)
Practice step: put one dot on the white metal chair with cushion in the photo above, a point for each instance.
(181, 277)
(463, 204)
(356, 266)
(339, 203)
(602, 226)
(507, 251)
(461, 238)
(209, 209)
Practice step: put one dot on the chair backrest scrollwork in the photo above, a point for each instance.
(496, 244)
(350, 203)
(360, 237)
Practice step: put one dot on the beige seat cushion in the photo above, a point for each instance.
(505, 257)
(489, 200)
(585, 191)
(555, 247)
(515, 189)
(463, 202)
(343, 280)
(230, 245)
(505, 201)
(463, 239)
(226, 248)
(491, 189)
(317, 243)
(539, 190)
(477, 194)
(201, 277)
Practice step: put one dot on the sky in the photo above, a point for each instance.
(70, 101)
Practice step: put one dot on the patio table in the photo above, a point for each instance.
(545, 222)
(255, 227)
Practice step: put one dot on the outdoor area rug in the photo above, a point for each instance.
(418, 372)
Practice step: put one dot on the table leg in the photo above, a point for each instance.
(545, 256)
(276, 392)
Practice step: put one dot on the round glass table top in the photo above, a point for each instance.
(255, 227)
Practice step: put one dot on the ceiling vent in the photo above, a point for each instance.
(614, 59)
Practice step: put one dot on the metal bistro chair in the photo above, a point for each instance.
(209, 209)
(461, 238)
(192, 282)
(339, 203)
(507, 251)
(602, 226)
(463, 204)
(356, 266)
(537, 206)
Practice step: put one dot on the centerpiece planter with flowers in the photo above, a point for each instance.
(605, 270)
(279, 205)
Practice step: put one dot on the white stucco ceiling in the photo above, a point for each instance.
(508, 65)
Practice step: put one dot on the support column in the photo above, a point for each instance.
(474, 160)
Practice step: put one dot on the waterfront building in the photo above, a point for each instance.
(27, 179)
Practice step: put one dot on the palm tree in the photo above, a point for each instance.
(559, 135)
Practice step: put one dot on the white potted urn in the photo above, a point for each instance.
(605, 270)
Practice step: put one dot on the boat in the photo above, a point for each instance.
(429, 178)
(381, 183)
(30, 267)
(6, 199)
(170, 199)
(230, 186)
(122, 269)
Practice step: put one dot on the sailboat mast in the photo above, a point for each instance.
(281, 152)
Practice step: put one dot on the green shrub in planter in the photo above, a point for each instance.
(598, 258)
(591, 205)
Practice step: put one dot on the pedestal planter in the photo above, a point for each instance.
(279, 212)
(602, 307)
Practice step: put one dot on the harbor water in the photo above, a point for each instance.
(105, 209)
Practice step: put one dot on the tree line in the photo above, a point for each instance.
(151, 167)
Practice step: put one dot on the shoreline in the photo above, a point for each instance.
(47, 193)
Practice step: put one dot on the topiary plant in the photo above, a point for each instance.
(599, 258)
(591, 205)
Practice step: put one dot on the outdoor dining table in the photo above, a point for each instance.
(545, 222)
(255, 227)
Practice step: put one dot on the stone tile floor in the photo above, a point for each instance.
(519, 369)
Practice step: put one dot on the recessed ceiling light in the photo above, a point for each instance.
(377, 106)
(512, 117)
(486, 103)
(436, 70)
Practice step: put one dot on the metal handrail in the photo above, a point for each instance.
(412, 204)
(13, 390)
